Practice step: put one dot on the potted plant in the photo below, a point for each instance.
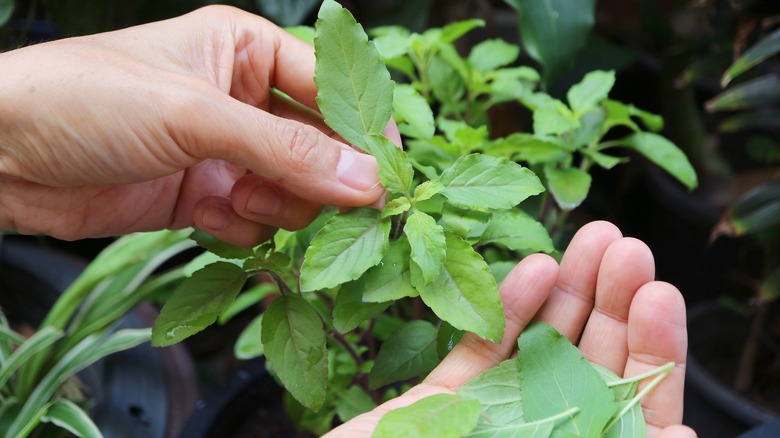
(362, 302)
(740, 370)
(68, 345)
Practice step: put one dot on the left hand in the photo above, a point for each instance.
(604, 299)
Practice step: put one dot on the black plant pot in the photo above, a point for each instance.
(247, 404)
(140, 392)
(716, 336)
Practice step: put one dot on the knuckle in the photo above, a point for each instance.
(303, 141)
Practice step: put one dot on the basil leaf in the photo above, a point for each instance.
(465, 293)
(409, 352)
(426, 239)
(355, 91)
(294, 343)
(482, 181)
(197, 302)
(555, 378)
(346, 246)
(440, 415)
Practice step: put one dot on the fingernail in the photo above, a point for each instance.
(263, 201)
(357, 170)
(215, 218)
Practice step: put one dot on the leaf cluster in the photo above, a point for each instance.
(549, 390)
(364, 300)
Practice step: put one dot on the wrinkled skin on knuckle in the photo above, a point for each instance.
(305, 149)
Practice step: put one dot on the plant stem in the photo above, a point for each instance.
(348, 347)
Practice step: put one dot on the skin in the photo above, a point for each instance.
(168, 125)
(176, 124)
(604, 299)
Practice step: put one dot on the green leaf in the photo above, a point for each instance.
(246, 300)
(498, 391)
(391, 279)
(554, 31)
(39, 341)
(427, 190)
(623, 389)
(67, 415)
(85, 353)
(288, 12)
(9, 410)
(395, 172)
(620, 114)
(603, 160)
(355, 91)
(554, 118)
(204, 259)
(396, 206)
(447, 338)
(412, 112)
(537, 429)
(349, 310)
(554, 377)
(764, 49)
(653, 122)
(197, 303)
(770, 287)
(123, 253)
(447, 84)
(391, 41)
(515, 230)
(353, 402)
(756, 92)
(482, 181)
(426, 239)
(219, 247)
(492, 54)
(276, 262)
(665, 154)
(249, 344)
(588, 93)
(462, 222)
(526, 147)
(465, 294)
(569, 186)
(453, 31)
(632, 423)
(294, 343)
(756, 210)
(409, 352)
(440, 416)
(345, 248)
(6, 9)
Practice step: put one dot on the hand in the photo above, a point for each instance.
(168, 125)
(604, 299)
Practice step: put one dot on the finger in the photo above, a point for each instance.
(678, 431)
(255, 199)
(522, 293)
(294, 155)
(572, 298)
(627, 265)
(657, 335)
(215, 215)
